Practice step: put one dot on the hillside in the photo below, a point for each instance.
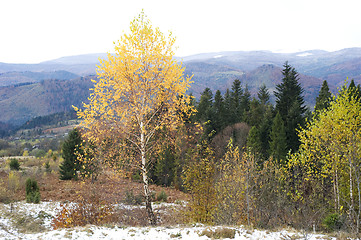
(11, 78)
(22, 102)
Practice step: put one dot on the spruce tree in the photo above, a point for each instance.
(70, 164)
(205, 104)
(355, 90)
(254, 115)
(263, 94)
(227, 116)
(245, 102)
(278, 144)
(254, 140)
(265, 129)
(290, 105)
(218, 110)
(324, 97)
(236, 109)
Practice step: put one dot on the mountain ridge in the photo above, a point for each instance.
(31, 90)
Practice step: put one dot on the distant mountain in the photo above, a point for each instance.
(32, 90)
(19, 103)
(10, 78)
(79, 59)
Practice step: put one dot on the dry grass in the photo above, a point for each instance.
(219, 233)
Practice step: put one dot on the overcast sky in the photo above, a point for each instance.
(38, 30)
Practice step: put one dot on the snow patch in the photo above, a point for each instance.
(7, 231)
(305, 54)
(217, 56)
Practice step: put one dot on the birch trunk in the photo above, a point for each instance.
(148, 200)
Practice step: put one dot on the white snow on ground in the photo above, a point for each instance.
(7, 231)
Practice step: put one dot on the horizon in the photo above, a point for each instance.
(187, 56)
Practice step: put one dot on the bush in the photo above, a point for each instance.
(219, 233)
(162, 196)
(88, 211)
(32, 191)
(14, 181)
(14, 164)
(133, 200)
(5, 195)
(333, 222)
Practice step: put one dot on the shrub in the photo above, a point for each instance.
(14, 164)
(13, 181)
(88, 211)
(47, 167)
(132, 199)
(162, 196)
(32, 191)
(4, 193)
(333, 222)
(219, 233)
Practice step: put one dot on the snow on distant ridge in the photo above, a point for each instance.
(217, 56)
(304, 54)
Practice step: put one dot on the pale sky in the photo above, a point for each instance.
(33, 31)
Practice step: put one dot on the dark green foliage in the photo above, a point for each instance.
(32, 191)
(162, 196)
(333, 222)
(254, 140)
(265, 129)
(38, 153)
(14, 164)
(204, 108)
(47, 167)
(263, 95)
(290, 105)
(205, 112)
(245, 102)
(355, 90)
(132, 199)
(218, 111)
(278, 144)
(164, 170)
(70, 164)
(236, 109)
(254, 116)
(51, 119)
(324, 97)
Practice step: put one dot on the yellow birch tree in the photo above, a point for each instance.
(331, 149)
(140, 89)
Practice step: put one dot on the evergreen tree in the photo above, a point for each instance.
(236, 109)
(227, 116)
(205, 104)
(355, 90)
(265, 129)
(263, 94)
(245, 102)
(255, 113)
(205, 112)
(290, 105)
(70, 164)
(164, 169)
(218, 110)
(278, 141)
(254, 140)
(324, 97)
